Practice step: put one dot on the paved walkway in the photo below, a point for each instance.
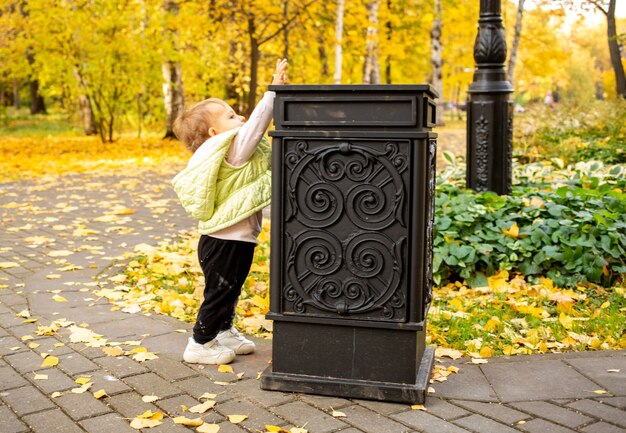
(60, 235)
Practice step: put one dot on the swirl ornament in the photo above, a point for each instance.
(346, 210)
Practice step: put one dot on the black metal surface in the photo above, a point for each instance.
(490, 108)
(352, 224)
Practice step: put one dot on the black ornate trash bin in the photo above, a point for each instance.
(352, 227)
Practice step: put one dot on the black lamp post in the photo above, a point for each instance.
(490, 108)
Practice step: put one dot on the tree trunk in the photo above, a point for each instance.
(338, 41)
(37, 105)
(255, 56)
(371, 69)
(389, 27)
(321, 49)
(614, 50)
(286, 30)
(89, 121)
(516, 39)
(436, 60)
(16, 94)
(172, 76)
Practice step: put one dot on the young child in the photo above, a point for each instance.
(225, 186)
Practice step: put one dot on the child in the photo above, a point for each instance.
(225, 186)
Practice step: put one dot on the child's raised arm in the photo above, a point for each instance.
(245, 142)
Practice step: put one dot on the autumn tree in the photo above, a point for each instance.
(173, 94)
(371, 67)
(516, 38)
(436, 59)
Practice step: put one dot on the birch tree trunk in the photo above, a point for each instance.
(436, 59)
(172, 75)
(338, 41)
(371, 69)
(516, 39)
(614, 50)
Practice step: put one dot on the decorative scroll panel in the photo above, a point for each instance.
(345, 228)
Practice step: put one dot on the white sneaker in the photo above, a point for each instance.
(208, 353)
(232, 339)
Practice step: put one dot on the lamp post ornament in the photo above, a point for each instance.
(490, 108)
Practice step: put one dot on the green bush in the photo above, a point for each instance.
(561, 224)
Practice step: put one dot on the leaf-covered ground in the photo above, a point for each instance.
(35, 156)
(506, 317)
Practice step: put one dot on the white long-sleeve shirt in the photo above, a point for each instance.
(241, 149)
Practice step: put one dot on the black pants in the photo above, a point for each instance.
(225, 264)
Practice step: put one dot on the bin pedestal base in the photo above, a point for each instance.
(348, 361)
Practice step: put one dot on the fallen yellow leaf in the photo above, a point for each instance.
(196, 422)
(599, 391)
(225, 369)
(7, 265)
(82, 380)
(41, 377)
(298, 430)
(450, 353)
(418, 407)
(479, 361)
(55, 394)
(274, 429)
(149, 398)
(208, 428)
(58, 298)
(140, 423)
(100, 394)
(236, 419)
(207, 395)
(113, 351)
(338, 414)
(50, 361)
(201, 408)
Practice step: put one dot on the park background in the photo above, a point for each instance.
(94, 86)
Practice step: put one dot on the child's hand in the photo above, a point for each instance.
(280, 75)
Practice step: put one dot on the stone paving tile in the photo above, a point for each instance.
(81, 406)
(481, 424)
(425, 422)
(543, 380)
(111, 384)
(469, 383)
(52, 421)
(47, 345)
(600, 410)
(444, 409)
(173, 407)
(170, 369)
(251, 390)
(26, 399)
(597, 369)
(326, 403)
(120, 366)
(196, 386)
(371, 422)
(131, 327)
(75, 363)
(383, 407)
(602, 427)
(168, 426)
(619, 402)
(257, 417)
(553, 412)
(300, 414)
(10, 423)
(227, 427)
(107, 424)
(9, 378)
(543, 426)
(496, 411)
(57, 381)
(7, 345)
(130, 404)
(151, 384)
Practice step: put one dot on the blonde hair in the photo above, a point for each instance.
(192, 127)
